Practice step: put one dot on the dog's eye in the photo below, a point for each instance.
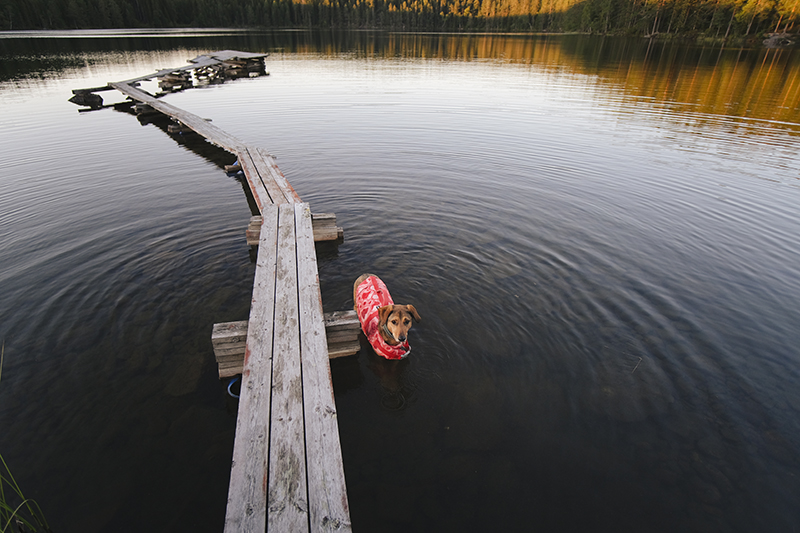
(394, 322)
(406, 322)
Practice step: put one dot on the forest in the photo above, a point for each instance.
(691, 18)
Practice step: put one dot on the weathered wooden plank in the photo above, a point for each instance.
(324, 218)
(327, 234)
(229, 370)
(341, 321)
(325, 228)
(278, 177)
(334, 337)
(252, 231)
(327, 493)
(227, 332)
(225, 55)
(93, 89)
(224, 348)
(260, 194)
(247, 492)
(197, 124)
(341, 332)
(234, 363)
(343, 349)
(287, 503)
(199, 62)
(275, 192)
(324, 225)
(227, 352)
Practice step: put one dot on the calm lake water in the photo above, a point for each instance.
(601, 235)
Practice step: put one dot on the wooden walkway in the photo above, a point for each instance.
(287, 472)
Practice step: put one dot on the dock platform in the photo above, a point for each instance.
(287, 472)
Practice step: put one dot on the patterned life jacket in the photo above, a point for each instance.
(371, 295)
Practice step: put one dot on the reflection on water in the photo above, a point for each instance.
(712, 80)
(601, 236)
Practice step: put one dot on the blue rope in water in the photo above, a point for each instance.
(234, 380)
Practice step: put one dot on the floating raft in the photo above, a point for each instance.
(287, 472)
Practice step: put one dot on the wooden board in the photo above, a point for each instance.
(343, 349)
(260, 193)
(287, 470)
(247, 493)
(229, 352)
(197, 124)
(276, 194)
(229, 332)
(276, 174)
(201, 61)
(324, 224)
(287, 503)
(327, 493)
(342, 330)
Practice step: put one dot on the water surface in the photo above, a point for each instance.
(601, 236)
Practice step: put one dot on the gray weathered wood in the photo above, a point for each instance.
(253, 230)
(260, 193)
(228, 332)
(287, 467)
(229, 370)
(247, 493)
(327, 493)
(324, 224)
(199, 62)
(276, 194)
(93, 89)
(197, 124)
(343, 349)
(342, 329)
(226, 352)
(277, 176)
(287, 503)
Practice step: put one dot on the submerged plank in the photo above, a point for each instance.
(247, 493)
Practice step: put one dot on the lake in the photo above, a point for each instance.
(600, 234)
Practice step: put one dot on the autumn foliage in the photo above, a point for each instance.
(714, 18)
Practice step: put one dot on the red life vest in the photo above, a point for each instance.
(371, 295)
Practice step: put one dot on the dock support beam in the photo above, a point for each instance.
(229, 338)
(324, 224)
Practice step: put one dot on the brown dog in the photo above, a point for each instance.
(385, 323)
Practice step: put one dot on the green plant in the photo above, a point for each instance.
(27, 516)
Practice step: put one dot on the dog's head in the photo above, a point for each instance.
(395, 321)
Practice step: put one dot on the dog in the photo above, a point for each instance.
(385, 323)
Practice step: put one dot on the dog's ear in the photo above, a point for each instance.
(410, 309)
(383, 314)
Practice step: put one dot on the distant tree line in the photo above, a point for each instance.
(716, 18)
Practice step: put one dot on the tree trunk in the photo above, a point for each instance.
(729, 23)
(749, 25)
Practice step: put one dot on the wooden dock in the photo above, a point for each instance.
(287, 472)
